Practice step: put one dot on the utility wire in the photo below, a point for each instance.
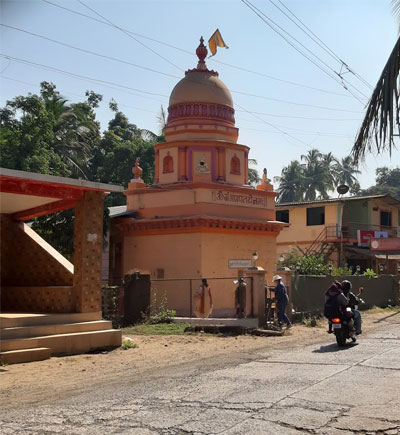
(76, 95)
(318, 41)
(191, 53)
(268, 22)
(165, 74)
(129, 35)
(90, 79)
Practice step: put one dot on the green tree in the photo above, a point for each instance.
(316, 176)
(387, 183)
(346, 171)
(290, 183)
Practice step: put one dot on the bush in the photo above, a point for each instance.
(309, 264)
(370, 273)
(342, 271)
(159, 313)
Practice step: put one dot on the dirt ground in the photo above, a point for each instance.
(58, 377)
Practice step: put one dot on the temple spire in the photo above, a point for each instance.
(201, 52)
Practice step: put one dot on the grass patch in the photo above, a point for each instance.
(156, 329)
(389, 309)
(128, 345)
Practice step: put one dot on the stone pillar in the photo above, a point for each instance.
(221, 164)
(157, 167)
(258, 278)
(88, 248)
(246, 167)
(182, 164)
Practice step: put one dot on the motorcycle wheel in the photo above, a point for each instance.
(340, 338)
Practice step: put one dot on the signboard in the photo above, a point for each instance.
(392, 244)
(239, 264)
(364, 236)
(242, 199)
(381, 235)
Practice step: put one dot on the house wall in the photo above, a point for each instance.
(298, 233)
(356, 211)
(378, 205)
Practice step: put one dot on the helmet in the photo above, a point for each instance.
(346, 286)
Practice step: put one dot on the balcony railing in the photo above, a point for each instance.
(349, 230)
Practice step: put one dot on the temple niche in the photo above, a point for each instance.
(201, 211)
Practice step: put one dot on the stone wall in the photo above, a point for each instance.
(308, 292)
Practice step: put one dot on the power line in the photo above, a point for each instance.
(318, 41)
(268, 22)
(90, 79)
(129, 35)
(303, 117)
(77, 95)
(191, 53)
(162, 73)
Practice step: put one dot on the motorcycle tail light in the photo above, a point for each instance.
(336, 320)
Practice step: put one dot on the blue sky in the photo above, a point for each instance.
(275, 118)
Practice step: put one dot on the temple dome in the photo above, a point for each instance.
(200, 86)
(201, 106)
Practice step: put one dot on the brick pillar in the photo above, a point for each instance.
(88, 248)
(258, 275)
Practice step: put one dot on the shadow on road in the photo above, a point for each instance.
(334, 348)
(384, 318)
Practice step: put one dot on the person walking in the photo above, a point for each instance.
(282, 301)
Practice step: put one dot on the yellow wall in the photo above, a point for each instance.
(382, 205)
(298, 233)
(197, 255)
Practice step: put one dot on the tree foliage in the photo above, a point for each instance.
(387, 182)
(314, 176)
(46, 134)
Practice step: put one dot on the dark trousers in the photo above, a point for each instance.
(282, 317)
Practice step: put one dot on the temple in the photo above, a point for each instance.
(201, 213)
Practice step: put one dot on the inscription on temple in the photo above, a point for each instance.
(239, 199)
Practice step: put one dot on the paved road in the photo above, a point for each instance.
(309, 389)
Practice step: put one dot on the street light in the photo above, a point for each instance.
(381, 268)
(298, 267)
(330, 267)
(358, 268)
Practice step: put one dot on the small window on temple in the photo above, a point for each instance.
(168, 164)
(282, 215)
(235, 165)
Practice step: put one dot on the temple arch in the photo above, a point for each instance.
(235, 165)
(168, 164)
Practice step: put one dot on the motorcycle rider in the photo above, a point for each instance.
(335, 302)
(353, 301)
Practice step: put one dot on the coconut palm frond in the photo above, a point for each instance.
(377, 130)
(396, 10)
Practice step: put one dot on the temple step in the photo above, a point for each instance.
(53, 329)
(25, 355)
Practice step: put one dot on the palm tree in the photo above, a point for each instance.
(316, 176)
(346, 172)
(290, 183)
(381, 120)
(331, 165)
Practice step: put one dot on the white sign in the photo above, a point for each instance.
(239, 264)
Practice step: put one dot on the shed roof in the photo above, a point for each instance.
(389, 198)
(26, 195)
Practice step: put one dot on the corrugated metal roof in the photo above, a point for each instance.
(333, 200)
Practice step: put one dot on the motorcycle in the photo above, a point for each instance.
(343, 325)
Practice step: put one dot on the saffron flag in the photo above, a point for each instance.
(216, 41)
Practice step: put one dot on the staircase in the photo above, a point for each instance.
(26, 337)
(325, 243)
